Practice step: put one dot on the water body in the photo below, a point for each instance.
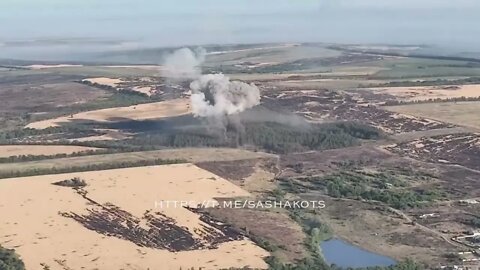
(343, 254)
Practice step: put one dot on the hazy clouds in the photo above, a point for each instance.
(400, 4)
(164, 23)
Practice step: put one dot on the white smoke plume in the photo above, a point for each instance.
(184, 63)
(212, 95)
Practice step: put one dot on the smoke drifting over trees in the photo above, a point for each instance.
(215, 95)
(212, 95)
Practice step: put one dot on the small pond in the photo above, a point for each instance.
(343, 254)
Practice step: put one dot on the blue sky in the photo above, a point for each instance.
(150, 23)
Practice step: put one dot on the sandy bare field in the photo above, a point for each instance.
(145, 67)
(104, 81)
(117, 83)
(458, 113)
(107, 135)
(430, 92)
(54, 226)
(147, 90)
(255, 49)
(156, 110)
(35, 150)
(52, 66)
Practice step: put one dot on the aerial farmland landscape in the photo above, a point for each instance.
(281, 154)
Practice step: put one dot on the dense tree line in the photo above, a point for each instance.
(269, 136)
(9, 260)
(89, 167)
(319, 264)
(431, 100)
(102, 151)
(23, 158)
(67, 130)
(121, 90)
(8, 135)
(283, 139)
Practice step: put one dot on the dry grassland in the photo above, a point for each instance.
(156, 110)
(52, 226)
(458, 113)
(430, 92)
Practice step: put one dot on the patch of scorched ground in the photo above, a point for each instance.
(460, 149)
(276, 228)
(324, 105)
(449, 218)
(321, 162)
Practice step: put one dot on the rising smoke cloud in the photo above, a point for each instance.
(212, 95)
(184, 63)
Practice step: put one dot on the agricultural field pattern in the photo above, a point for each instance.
(115, 164)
